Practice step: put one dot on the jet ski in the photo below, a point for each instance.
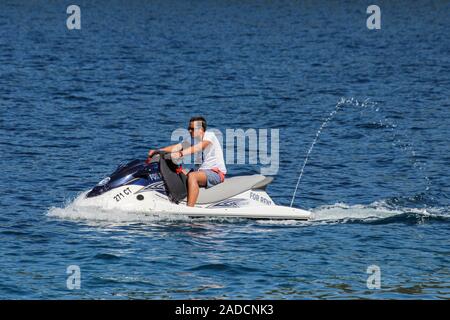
(157, 187)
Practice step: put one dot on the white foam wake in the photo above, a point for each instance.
(342, 211)
(338, 212)
(375, 211)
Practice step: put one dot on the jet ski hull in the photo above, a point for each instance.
(253, 204)
(143, 187)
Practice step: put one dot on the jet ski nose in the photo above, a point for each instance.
(124, 173)
(96, 191)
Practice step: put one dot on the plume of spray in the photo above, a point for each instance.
(339, 105)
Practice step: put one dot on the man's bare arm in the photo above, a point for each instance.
(170, 148)
(196, 148)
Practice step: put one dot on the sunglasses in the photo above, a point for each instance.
(192, 128)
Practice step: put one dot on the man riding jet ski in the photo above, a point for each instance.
(212, 169)
(158, 186)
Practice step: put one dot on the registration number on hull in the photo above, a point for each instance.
(125, 192)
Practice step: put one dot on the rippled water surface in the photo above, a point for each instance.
(74, 104)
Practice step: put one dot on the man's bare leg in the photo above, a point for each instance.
(195, 180)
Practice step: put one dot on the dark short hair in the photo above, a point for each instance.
(199, 118)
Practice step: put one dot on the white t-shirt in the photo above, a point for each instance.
(212, 156)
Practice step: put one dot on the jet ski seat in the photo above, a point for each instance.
(231, 187)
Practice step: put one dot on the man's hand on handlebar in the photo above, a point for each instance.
(151, 153)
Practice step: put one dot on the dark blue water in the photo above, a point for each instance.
(74, 104)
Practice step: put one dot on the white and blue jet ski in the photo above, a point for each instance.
(154, 188)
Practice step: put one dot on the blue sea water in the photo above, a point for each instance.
(76, 103)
